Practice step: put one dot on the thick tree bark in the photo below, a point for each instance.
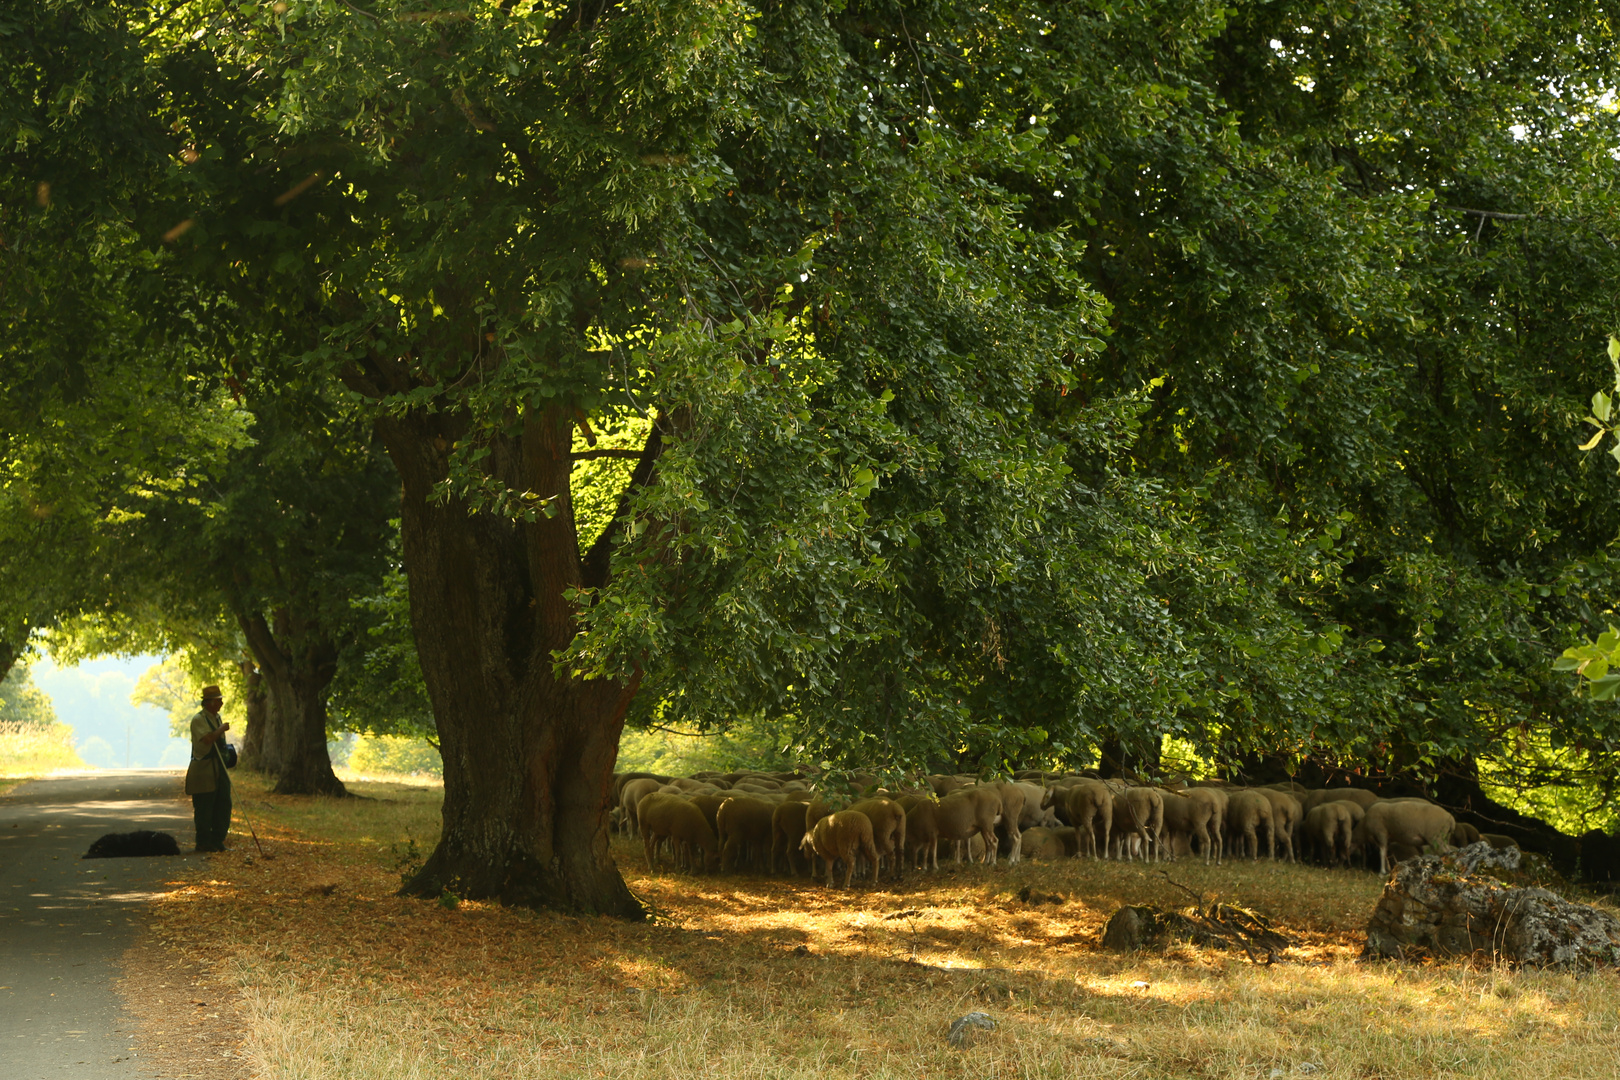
(1118, 758)
(257, 707)
(528, 754)
(297, 662)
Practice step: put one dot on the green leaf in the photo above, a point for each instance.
(1604, 689)
(1601, 406)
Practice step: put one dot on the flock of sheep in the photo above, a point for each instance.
(768, 821)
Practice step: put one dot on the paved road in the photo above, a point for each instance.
(65, 921)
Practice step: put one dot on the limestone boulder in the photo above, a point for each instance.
(1469, 901)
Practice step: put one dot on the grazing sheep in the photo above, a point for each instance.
(1138, 817)
(1327, 829)
(1360, 796)
(1464, 834)
(1038, 809)
(1056, 842)
(710, 805)
(963, 813)
(1415, 824)
(670, 817)
(1498, 841)
(1296, 790)
(1090, 806)
(621, 779)
(1248, 814)
(1285, 815)
(787, 832)
(1216, 799)
(743, 828)
(1188, 819)
(888, 831)
(1011, 809)
(922, 834)
(842, 837)
(630, 797)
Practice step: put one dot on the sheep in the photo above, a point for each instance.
(1038, 811)
(621, 779)
(1139, 813)
(888, 831)
(1498, 841)
(1090, 806)
(842, 836)
(710, 805)
(1248, 813)
(1054, 842)
(1187, 818)
(1216, 799)
(671, 817)
(787, 831)
(1285, 815)
(630, 796)
(1360, 796)
(743, 826)
(1012, 809)
(1464, 834)
(922, 834)
(1327, 829)
(1413, 823)
(963, 813)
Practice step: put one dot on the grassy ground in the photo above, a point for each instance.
(753, 977)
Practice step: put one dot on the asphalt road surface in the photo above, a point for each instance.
(66, 921)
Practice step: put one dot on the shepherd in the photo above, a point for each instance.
(207, 782)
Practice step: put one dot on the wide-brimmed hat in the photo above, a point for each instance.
(212, 692)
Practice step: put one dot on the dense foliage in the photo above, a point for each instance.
(941, 383)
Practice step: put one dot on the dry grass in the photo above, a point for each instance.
(747, 977)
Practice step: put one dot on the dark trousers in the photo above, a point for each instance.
(211, 813)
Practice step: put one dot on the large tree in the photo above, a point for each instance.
(782, 238)
(838, 263)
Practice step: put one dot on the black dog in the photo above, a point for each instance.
(118, 845)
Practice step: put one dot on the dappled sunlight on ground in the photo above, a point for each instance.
(752, 976)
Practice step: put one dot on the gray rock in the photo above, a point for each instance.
(1130, 928)
(1458, 904)
(962, 1028)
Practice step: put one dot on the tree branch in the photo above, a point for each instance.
(594, 567)
(588, 455)
(1496, 214)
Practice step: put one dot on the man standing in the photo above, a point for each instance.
(207, 782)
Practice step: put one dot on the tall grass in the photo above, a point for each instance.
(33, 749)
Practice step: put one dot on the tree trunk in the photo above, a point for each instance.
(528, 753)
(297, 663)
(1137, 758)
(257, 707)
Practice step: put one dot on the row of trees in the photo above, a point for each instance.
(956, 382)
